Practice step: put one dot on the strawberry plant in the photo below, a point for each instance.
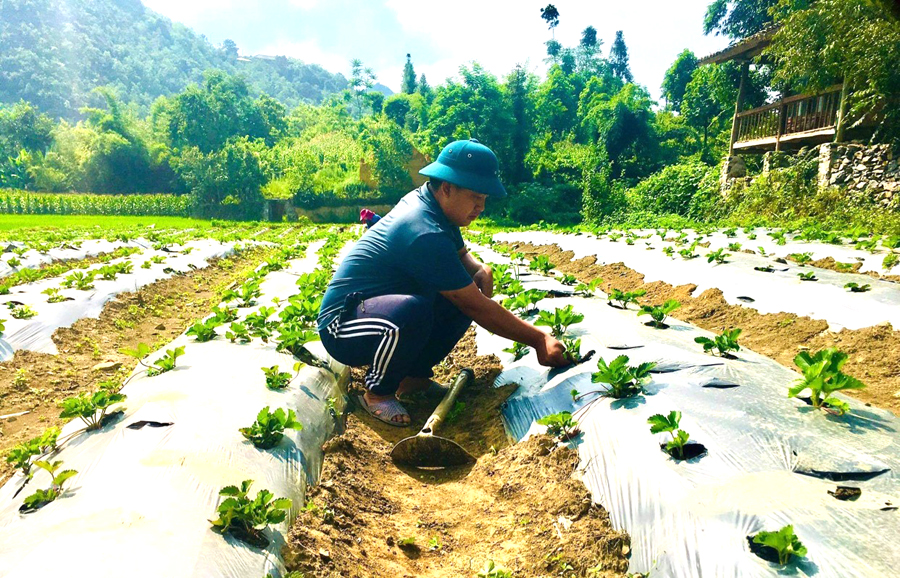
(524, 301)
(158, 259)
(822, 375)
(622, 380)
(13, 262)
(785, 543)
(166, 362)
(246, 519)
(21, 311)
(108, 272)
(514, 288)
(268, 429)
(79, 280)
(204, 330)
(238, 331)
(246, 295)
(723, 343)
(2, 326)
(845, 267)
(614, 237)
(734, 247)
(567, 279)
(560, 425)
(809, 276)
(43, 497)
(660, 423)
(778, 237)
(224, 314)
(20, 455)
(730, 232)
(624, 297)
(801, 258)
(688, 253)
(491, 570)
(91, 408)
(276, 379)
(573, 348)
(659, 312)
(560, 320)
(669, 251)
(292, 338)
(53, 295)
(146, 265)
(588, 289)
(857, 288)
(124, 267)
(765, 269)
(303, 310)
(890, 261)
(762, 251)
(719, 256)
(518, 350)
(542, 264)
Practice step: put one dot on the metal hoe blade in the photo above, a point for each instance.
(426, 450)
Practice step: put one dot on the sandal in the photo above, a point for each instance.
(387, 410)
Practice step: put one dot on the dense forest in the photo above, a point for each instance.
(583, 142)
(53, 53)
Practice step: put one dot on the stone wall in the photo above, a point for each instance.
(871, 171)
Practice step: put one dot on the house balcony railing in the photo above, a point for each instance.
(791, 119)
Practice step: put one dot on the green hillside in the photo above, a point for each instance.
(53, 53)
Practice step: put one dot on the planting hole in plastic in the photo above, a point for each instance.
(837, 476)
(717, 383)
(148, 423)
(746, 299)
(692, 450)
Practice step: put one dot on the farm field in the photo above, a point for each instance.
(193, 349)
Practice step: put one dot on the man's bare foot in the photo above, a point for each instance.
(388, 401)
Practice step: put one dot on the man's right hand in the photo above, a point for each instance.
(552, 353)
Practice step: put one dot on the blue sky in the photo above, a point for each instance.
(441, 36)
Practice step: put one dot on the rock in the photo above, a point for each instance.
(160, 327)
(107, 366)
(324, 554)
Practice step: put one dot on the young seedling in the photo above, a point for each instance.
(124, 268)
(524, 302)
(573, 348)
(491, 570)
(845, 267)
(91, 408)
(688, 253)
(808, 276)
(53, 295)
(166, 362)
(238, 332)
(2, 326)
(268, 429)
(588, 289)
(560, 320)
(518, 350)
(762, 251)
(108, 272)
(146, 265)
(204, 330)
(20, 455)
(669, 251)
(822, 375)
(276, 379)
(514, 288)
(719, 256)
(784, 542)
(622, 380)
(890, 261)
(21, 311)
(158, 259)
(224, 314)
(734, 247)
(778, 237)
(730, 232)
(660, 423)
(659, 312)
(765, 269)
(560, 425)
(624, 297)
(723, 343)
(246, 519)
(857, 288)
(246, 295)
(434, 544)
(567, 279)
(801, 258)
(43, 497)
(542, 264)
(293, 338)
(79, 280)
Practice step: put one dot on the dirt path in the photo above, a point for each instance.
(155, 314)
(874, 351)
(522, 506)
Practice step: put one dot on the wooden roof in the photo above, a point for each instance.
(744, 49)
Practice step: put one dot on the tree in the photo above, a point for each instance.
(230, 49)
(854, 42)
(677, 78)
(409, 77)
(550, 15)
(362, 79)
(708, 98)
(588, 49)
(737, 19)
(519, 89)
(618, 58)
(397, 107)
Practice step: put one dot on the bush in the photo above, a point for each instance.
(671, 190)
(535, 202)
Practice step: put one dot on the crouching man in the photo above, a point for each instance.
(408, 290)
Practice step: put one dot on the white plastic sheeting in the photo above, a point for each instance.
(780, 291)
(770, 461)
(142, 500)
(87, 248)
(35, 334)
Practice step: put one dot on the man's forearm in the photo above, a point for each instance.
(493, 317)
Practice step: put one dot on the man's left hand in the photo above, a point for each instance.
(484, 280)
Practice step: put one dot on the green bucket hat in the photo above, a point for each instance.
(470, 165)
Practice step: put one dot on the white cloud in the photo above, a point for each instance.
(305, 4)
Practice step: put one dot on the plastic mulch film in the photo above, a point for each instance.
(35, 334)
(778, 291)
(148, 483)
(769, 461)
(32, 259)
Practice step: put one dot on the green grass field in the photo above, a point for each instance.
(14, 222)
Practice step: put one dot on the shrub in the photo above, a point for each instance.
(671, 190)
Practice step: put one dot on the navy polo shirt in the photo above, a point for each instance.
(413, 250)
